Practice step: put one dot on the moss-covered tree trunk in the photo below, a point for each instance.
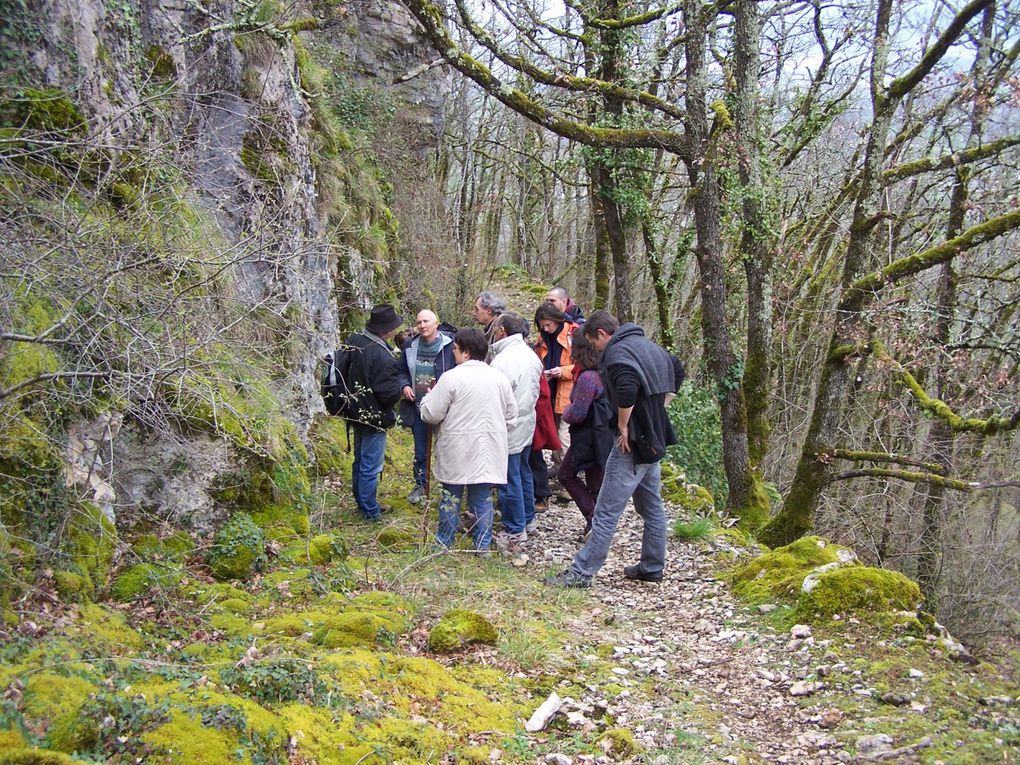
(746, 499)
(756, 237)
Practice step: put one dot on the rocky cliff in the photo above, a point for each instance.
(194, 213)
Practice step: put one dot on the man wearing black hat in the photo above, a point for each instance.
(375, 378)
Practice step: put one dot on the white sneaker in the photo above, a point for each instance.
(531, 527)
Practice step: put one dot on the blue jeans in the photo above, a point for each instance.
(479, 502)
(624, 478)
(369, 449)
(420, 432)
(517, 495)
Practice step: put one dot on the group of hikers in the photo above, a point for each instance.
(485, 404)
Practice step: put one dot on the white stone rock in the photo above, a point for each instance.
(544, 713)
(800, 631)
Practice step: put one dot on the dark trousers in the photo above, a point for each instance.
(540, 474)
(583, 492)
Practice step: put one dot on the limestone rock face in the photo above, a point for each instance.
(223, 90)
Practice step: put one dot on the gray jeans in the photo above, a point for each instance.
(624, 478)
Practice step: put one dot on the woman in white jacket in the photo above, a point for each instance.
(472, 406)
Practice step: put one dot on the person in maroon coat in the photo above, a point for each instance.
(546, 437)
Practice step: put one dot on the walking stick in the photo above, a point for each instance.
(428, 459)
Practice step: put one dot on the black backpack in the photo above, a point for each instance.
(337, 393)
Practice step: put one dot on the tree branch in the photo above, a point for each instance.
(431, 19)
(866, 287)
(955, 159)
(915, 477)
(860, 456)
(941, 409)
(903, 85)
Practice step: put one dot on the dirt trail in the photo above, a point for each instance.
(721, 681)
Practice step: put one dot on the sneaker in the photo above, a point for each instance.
(416, 495)
(532, 526)
(505, 540)
(635, 572)
(486, 553)
(467, 522)
(568, 579)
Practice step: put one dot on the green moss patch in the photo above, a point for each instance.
(459, 628)
(35, 757)
(855, 590)
(105, 632)
(54, 702)
(143, 578)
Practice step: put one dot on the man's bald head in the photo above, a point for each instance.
(428, 325)
(558, 297)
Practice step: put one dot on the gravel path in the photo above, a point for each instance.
(711, 684)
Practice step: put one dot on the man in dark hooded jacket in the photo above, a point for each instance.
(375, 378)
(640, 380)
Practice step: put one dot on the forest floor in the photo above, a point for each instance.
(334, 662)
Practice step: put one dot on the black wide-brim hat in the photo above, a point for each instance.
(383, 319)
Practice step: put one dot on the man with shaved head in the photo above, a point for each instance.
(426, 356)
(559, 298)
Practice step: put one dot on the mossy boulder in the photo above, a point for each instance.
(326, 548)
(459, 628)
(139, 580)
(238, 549)
(779, 573)
(328, 438)
(71, 587)
(371, 619)
(856, 590)
(176, 547)
(11, 739)
(89, 547)
(55, 701)
(396, 538)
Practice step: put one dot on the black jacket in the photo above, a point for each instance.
(638, 373)
(375, 378)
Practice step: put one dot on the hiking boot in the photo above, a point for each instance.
(532, 526)
(505, 540)
(417, 495)
(466, 523)
(541, 505)
(568, 579)
(635, 572)
(583, 537)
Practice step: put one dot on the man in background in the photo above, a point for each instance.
(559, 298)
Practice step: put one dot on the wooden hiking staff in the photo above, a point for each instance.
(428, 459)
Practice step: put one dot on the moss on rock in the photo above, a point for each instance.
(140, 579)
(779, 573)
(55, 701)
(238, 549)
(325, 548)
(618, 743)
(459, 628)
(175, 547)
(105, 632)
(856, 590)
(396, 538)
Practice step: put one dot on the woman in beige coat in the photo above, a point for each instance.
(471, 405)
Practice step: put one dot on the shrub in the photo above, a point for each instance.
(695, 417)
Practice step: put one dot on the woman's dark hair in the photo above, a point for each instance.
(472, 342)
(549, 312)
(583, 352)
